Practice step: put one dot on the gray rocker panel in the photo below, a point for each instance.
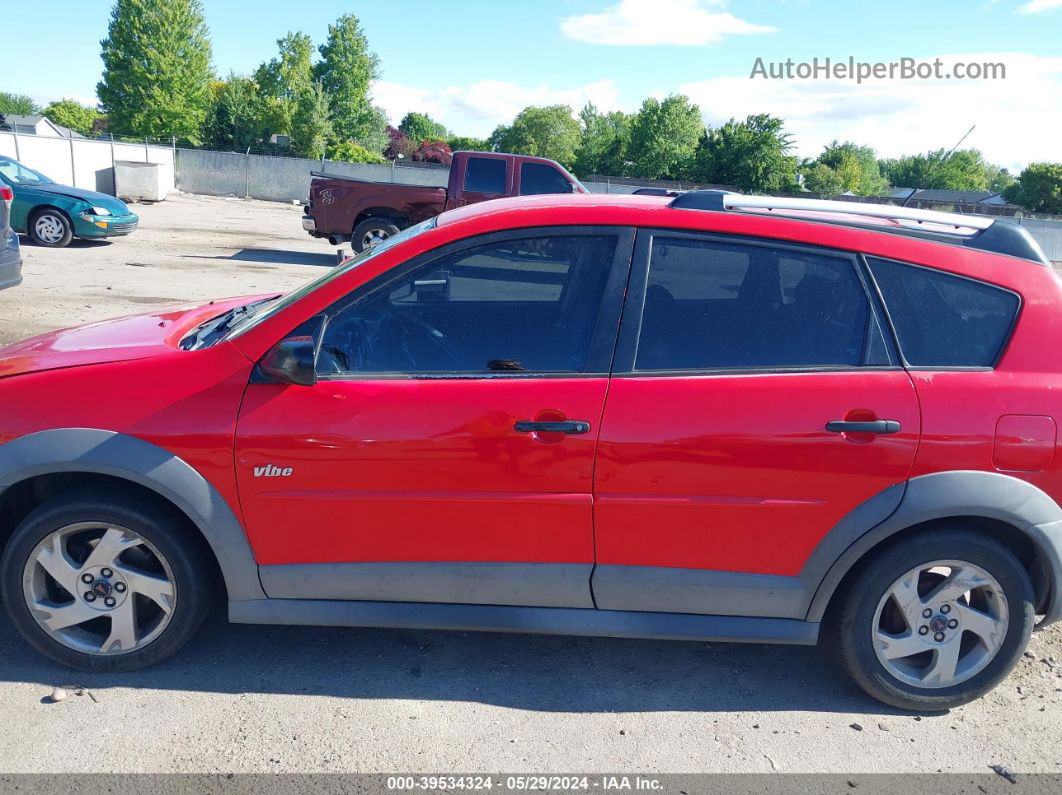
(109, 453)
(535, 620)
(533, 584)
(723, 593)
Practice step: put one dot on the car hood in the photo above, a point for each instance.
(113, 205)
(120, 339)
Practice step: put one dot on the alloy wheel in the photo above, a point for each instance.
(940, 624)
(49, 228)
(373, 237)
(99, 588)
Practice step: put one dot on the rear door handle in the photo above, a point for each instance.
(867, 426)
(563, 426)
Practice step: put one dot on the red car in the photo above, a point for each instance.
(708, 417)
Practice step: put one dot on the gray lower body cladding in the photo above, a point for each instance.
(533, 620)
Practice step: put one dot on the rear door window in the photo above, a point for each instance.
(485, 175)
(943, 320)
(718, 305)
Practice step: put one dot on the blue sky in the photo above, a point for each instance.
(474, 63)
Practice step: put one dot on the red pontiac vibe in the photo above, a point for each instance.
(709, 417)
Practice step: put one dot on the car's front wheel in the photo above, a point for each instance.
(104, 584)
(50, 228)
(936, 620)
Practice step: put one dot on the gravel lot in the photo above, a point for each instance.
(283, 699)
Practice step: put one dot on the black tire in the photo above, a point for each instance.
(194, 574)
(852, 623)
(56, 217)
(385, 228)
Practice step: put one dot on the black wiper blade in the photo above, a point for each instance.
(216, 325)
(226, 320)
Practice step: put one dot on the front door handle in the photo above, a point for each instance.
(866, 426)
(559, 426)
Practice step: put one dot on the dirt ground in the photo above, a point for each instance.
(186, 248)
(286, 699)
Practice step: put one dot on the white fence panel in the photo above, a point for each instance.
(82, 162)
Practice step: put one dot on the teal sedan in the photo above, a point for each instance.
(53, 214)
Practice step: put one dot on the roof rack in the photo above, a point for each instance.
(975, 231)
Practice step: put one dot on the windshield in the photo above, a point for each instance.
(284, 301)
(14, 173)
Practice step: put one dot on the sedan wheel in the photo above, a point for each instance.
(99, 589)
(50, 228)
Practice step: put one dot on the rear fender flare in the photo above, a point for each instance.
(989, 495)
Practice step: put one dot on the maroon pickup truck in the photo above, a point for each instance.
(366, 212)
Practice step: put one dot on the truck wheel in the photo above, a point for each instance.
(370, 232)
(935, 621)
(99, 583)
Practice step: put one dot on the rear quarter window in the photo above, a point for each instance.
(943, 320)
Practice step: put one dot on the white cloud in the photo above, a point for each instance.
(1038, 6)
(477, 108)
(651, 22)
(1017, 118)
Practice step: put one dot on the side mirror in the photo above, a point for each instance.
(291, 361)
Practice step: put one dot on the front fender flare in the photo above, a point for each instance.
(118, 455)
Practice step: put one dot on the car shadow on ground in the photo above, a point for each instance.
(273, 256)
(533, 672)
(78, 242)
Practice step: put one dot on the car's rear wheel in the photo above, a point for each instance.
(371, 232)
(936, 620)
(105, 586)
(50, 228)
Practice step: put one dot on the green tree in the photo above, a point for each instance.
(156, 69)
(844, 167)
(311, 126)
(346, 70)
(820, 178)
(236, 119)
(549, 131)
(370, 129)
(468, 144)
(285, 80)
(1038, 189)
(421, 127)
(965, 169)
(999, 179)
(663, 137)
(69, 113)
(350, 152)
(752, 155)
(18, 104)
(497, 138)
(603, 142)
